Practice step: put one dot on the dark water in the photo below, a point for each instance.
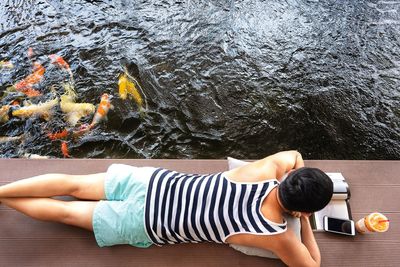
(238, 78)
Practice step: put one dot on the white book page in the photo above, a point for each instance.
(335, 208)
(335, 176)
(340, 187)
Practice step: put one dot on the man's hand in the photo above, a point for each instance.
(286, 161)
(296, 214)
(299, 214)
(299, 163)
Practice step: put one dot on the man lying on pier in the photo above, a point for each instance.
(142, 206)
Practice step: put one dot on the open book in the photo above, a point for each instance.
(338, 207)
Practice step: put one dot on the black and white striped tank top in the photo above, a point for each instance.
(182, 208)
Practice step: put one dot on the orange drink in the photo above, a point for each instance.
(374, 222)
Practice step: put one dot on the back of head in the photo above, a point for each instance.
(306, 190)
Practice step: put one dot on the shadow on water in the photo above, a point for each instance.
(238, 78)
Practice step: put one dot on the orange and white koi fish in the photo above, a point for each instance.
(5, 64)
(64, 149)
(61, 63)
(102, 110)
(58, 135)
(42, 109)
(4, 113)
(37, 67)
(25, 86)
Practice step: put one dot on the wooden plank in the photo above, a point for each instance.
(374, 186)
(83, 252)
(359, 253)
(360, 171)
(15, 225)
(382, 198)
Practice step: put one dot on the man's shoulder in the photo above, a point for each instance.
(253, 172)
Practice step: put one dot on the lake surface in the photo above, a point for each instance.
(221, 78)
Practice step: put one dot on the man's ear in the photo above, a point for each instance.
(306, 214)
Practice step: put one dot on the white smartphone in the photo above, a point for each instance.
(339, 226)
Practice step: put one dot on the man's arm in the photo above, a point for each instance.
(271, 167)
(307, 237)
(293, 252)
(284, 161)
(287, 160)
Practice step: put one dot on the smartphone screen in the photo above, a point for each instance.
(341, 226)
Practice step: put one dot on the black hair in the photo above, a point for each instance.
(306, 190)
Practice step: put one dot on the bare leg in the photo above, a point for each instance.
(77, 213)
(80, 186)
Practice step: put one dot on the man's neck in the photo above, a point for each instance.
(276, 201)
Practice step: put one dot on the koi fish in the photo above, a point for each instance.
(127, 88)
(34, 156)
(4, 113)
(69, 90)
(64, 149)
(75, 111)
(58, 135)
(102, 110)
(15, 102)
(42, 109)
(123, 86)
(25, 86)
(82, 130)
(27, 90)
(4, 64)
(5, 139)
(30, 53)
(37, 67)
(61, 63)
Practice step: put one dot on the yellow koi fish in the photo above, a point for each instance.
(122, 86)
(43, 110)
(126, 86)
(75, 111)
(69, 90)
(6, 64)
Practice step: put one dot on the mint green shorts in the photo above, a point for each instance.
(120, 218)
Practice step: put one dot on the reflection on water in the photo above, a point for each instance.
(239, 78)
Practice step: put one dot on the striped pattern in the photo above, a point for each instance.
(182, 208)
